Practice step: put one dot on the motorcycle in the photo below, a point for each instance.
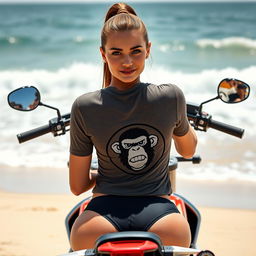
(137, 243)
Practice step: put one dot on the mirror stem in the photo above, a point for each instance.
(58, 112)
(201, 105)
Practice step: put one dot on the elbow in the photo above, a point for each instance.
(188, 155)
(76, 191)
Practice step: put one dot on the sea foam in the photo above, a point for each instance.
(60, 88)
(241, 42)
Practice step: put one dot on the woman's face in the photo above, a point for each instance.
(125, 53)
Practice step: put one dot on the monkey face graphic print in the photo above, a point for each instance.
(133, 149)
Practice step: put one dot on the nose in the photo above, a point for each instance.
(135, 148)
(127, 61)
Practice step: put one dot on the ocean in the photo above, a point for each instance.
(55, 47)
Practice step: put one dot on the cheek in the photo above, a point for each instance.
(113, 67)
(140, 59)
(112, 62)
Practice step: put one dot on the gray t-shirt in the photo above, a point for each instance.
(131, 131)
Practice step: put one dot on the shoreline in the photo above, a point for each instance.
(206, 193)
(34, 224)
(232, 194)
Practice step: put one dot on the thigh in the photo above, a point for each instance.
(87, 228)
(173, 229)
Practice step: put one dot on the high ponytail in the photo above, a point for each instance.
(119, 8)
(120, 17)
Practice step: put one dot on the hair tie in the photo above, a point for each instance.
(122, 10)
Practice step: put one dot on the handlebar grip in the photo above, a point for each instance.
(29, 135)
(229, 129)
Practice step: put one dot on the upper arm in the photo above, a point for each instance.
(186, 144)
(80, 139)
(184, 135)
(79, 174)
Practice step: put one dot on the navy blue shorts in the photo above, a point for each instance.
(130, 213)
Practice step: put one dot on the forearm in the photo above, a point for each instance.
(186, 145)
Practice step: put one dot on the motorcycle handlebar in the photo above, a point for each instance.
(57, 125)
(229, 129)
(29, 135)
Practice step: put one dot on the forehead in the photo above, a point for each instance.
(125, 39)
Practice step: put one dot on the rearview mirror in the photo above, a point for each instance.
(233, 90)
(24, 99)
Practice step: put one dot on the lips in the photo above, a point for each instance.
(128, 71)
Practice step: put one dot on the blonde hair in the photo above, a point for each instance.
(120, 17)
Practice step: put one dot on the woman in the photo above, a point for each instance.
(131, 125)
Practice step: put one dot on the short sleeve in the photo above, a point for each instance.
(182, 124)
(80, 142)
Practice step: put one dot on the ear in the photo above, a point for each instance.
(116, 148)
(153, 140)
(103, 55)
(148, 49)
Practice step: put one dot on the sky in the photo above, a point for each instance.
(86, 1)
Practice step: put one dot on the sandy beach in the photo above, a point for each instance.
(33, 224)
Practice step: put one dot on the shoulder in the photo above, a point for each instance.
(166, 90)
(87, 99)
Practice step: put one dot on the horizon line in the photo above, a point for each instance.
(112, 1)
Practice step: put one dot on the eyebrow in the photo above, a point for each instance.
(119, 49)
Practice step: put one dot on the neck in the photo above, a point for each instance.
(123, 86)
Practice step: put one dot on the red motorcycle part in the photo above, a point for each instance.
(127, 248)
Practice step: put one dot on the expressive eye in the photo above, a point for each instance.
(116, 53)
(136, 51)
(142, 142)
(127, 145)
